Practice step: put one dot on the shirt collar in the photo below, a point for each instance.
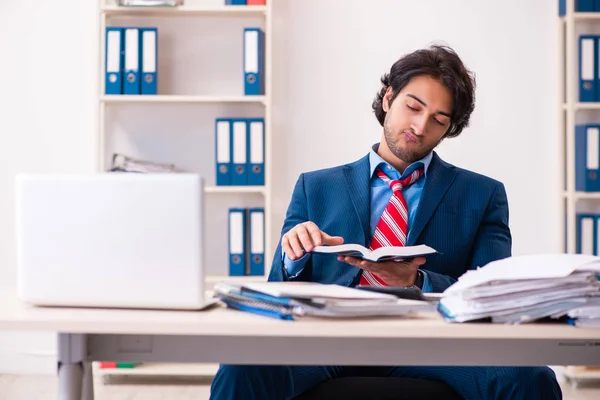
(375, 161)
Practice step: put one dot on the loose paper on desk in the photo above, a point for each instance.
(289, 300)
(381, 254)
(519, 268)
(526, 288)
(311, 290)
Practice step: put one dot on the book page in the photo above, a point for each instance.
(344, 249)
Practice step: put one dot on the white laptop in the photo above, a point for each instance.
(123, 240)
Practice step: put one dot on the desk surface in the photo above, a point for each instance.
(15, 315)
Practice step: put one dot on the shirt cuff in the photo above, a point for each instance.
(294, 268)
(427, 288)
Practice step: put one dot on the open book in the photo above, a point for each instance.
(381, 254)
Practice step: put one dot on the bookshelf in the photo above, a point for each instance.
(185, 10)
(200, 79)
(182, 99)
(572, 112)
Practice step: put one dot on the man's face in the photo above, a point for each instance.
(417, 119)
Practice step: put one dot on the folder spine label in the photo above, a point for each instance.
(223, 151)
(257, 241)
(256, 156)
(149, 52)
(588, 61)
(253, 61)
(114, 61)
(131, 80)
(237, 242)
(240, 153)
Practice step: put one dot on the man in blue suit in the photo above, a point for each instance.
(427, 96)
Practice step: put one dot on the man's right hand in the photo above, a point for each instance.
(305, 236)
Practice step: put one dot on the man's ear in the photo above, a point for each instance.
(385, 104)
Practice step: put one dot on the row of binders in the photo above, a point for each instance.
(240, 151)
(246, 242)
(132, 53)
(245, 2)
(580, 6)
(131, 60)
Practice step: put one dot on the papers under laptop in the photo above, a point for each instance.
(527, 288)
(290, 300)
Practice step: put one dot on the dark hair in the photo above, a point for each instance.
(443, 64)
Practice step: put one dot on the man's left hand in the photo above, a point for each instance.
(394, 273)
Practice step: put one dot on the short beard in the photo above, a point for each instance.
(408, 156)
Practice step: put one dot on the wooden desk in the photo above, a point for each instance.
(227, 336)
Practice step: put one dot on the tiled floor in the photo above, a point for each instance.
(16, 387)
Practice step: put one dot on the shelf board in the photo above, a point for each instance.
(219, 278)
(159, 369)
(180, 99)
(586, 15)
(235, 189)
(584, 106)
(583, 195)
(183, 11)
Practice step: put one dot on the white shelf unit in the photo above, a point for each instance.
(184, 10)
(181, 99)
(191, 13)
(159, 369)
(569, 106)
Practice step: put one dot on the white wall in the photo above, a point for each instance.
(47, 114)
(329, 55)
(328, 75)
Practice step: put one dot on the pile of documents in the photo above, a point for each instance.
(123, 163)
(527, 288)
(290, 300)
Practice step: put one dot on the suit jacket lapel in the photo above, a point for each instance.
(358, 185)
(439, 178)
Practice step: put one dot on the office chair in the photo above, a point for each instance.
(380, 388)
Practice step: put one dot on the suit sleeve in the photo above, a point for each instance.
(296, 214)
(492, 242)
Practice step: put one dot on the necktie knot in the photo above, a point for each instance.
(398, 184)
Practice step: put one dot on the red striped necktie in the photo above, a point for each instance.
(392, 227)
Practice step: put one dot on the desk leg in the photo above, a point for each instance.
(72, 360)
(88, 382)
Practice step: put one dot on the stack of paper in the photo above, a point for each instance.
(527, 288)
(123, 163)
(290, 300)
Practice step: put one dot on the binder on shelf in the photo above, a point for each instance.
(562, 8)
(257, 2)
(257, 241)
(114, 61)
(587, 234)
(131, 81)
(237, 241)
(587, 158)
(256, 155)
(223, 151)
(149, 56)
(588, 68)
(239, 139)
(254, 77)
(235, 2)
(584, 5)
(596, 5)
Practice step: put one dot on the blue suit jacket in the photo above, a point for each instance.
(461, 214)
